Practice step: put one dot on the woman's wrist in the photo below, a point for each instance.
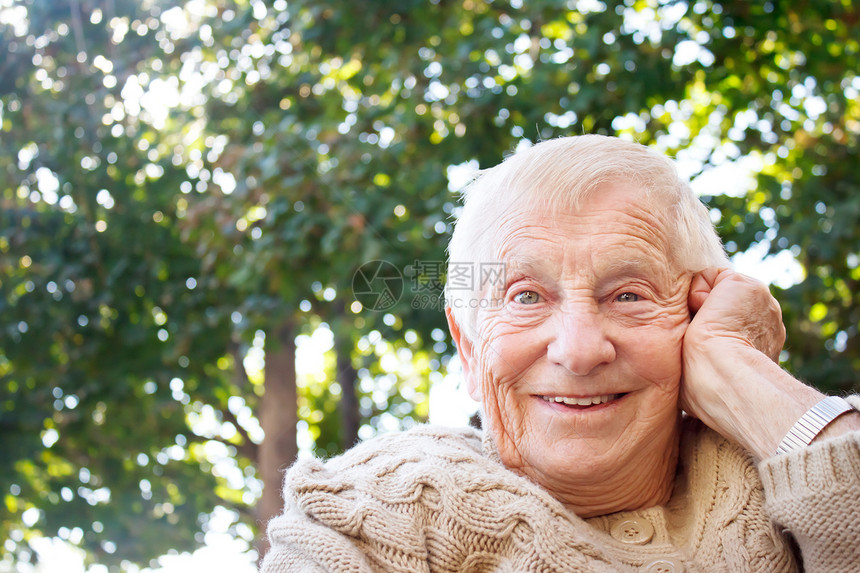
(752, 400)
(783, 401)
(787, 400)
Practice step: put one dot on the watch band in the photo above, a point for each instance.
(812, 423)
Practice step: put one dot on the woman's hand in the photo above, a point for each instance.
(730, 307)
(732, 381)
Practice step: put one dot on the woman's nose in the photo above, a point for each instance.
(579, 342)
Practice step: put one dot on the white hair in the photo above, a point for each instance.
(558, 174)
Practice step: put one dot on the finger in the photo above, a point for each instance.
(705, 282)
(699, 291)
(700, 288)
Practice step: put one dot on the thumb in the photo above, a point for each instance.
(700, 288)
(702, 285)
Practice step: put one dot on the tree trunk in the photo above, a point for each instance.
(347, 377)
(278, 418)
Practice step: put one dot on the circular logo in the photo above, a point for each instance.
(377, 285)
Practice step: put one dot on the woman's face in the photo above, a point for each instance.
(578, 366)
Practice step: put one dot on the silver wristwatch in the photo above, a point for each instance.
(812, 423)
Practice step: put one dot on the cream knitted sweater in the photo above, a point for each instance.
(438, 500)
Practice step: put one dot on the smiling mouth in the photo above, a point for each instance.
(582, 402)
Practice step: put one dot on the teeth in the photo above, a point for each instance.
(581, 401)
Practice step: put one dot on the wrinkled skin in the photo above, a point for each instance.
(592, 305)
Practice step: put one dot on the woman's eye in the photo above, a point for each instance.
(527, 297)
(628, 297)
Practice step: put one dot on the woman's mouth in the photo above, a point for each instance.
(584, 401)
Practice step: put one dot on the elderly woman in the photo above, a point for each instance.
(632, 407)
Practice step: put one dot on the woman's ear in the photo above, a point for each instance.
(464, 350)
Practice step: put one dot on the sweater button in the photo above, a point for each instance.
(665, 565)
(632, 530)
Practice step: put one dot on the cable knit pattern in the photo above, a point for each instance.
(434, 500)
(813, 492)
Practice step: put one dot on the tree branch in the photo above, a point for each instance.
(248, 449)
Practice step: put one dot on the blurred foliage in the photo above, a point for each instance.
(180, 181)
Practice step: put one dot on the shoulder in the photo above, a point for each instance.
(422, 448)
(422, 441)
(372, 502)
(393, 485)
